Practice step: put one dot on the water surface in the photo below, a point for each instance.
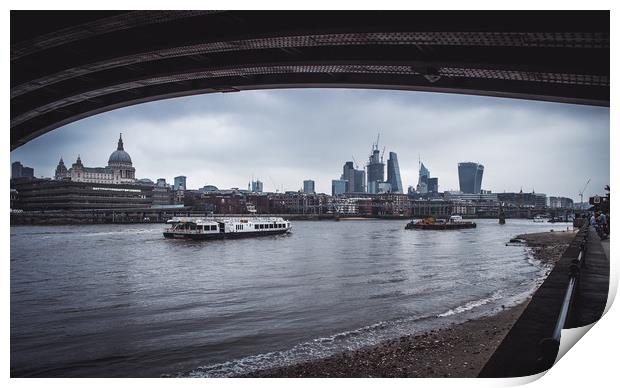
(120, 300)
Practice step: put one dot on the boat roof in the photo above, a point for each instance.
(214, 220)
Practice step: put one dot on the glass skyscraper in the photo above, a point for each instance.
(339, 186)
(375, 170)
(393, 174)
(470, 177)
(355, 178)
(423, 179)
(309, 186)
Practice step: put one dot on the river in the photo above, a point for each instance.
(122, 301)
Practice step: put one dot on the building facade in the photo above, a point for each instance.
(119, 170)
(48, 194)
(433, 185)
(20, 171)
(339, 187)
(470, 177)
(257, 186)
(393, 174)
(180, 183)
(424, 174)
(309, 186)
(375, 169)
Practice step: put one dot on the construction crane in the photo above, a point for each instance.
(382, 153)
(582, 190)
(355, 163)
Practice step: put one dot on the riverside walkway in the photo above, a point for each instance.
(521, 352)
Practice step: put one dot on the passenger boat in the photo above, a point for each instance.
(210, 228)
(539, 218)
(430, 223)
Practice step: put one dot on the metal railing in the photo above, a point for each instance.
(550, 346)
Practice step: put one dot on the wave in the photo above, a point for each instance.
(472, 305)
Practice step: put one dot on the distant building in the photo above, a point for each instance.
(561, 203)
(208, 189)
(119, 170)
(257, 186)
(339, 187)
(162, 193)
(309, 186)
(48, 194)
(384, 187)
(433, 185)
(20, 171)
(423, 179)
(355, 178)
(375, 169)
(393, 174)
(470, 177)
(521, 199)
(180, 183)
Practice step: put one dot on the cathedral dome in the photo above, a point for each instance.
(120, 156)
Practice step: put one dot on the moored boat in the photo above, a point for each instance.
(211, 228)
(430, 223)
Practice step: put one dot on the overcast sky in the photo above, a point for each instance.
(282, 137)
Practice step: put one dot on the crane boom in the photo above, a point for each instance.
(582, 191)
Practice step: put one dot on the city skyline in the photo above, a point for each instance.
(203, 137)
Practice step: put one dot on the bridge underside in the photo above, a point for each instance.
(69, 65)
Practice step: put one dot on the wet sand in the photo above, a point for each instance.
(459, 350)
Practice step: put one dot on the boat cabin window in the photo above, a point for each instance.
(255, 226)
(213, 227)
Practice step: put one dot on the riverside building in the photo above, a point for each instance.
(119, 170)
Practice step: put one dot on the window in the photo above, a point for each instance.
(255, 226)
(213, 227)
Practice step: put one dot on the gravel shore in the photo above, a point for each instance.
(459, 350)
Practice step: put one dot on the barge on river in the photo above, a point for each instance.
(212, 228)
(454, 222)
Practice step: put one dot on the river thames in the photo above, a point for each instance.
(122, 301)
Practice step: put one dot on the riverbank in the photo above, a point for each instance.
(548, 247)
(459, 350)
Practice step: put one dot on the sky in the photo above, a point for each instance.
(282, 137)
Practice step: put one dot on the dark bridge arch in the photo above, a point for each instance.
(69, 65)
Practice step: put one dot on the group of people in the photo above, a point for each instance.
(600, 221)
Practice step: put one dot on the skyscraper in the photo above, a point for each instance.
(470, 177)
(257, 186)
(433, 185)
(354, 178)
(339, 186)
(393, 174)
(375, 168)
(180, 183)
(309, 186)
(423, 179)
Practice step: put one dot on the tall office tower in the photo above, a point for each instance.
(433, 185)
(180, 183)
(257, 186)
(354, 178)
(348, 174)
(393, 174)
(309, 186)
(375, 168)
(339, 186)
(470, 177)
(423, 179)
(360, 178)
